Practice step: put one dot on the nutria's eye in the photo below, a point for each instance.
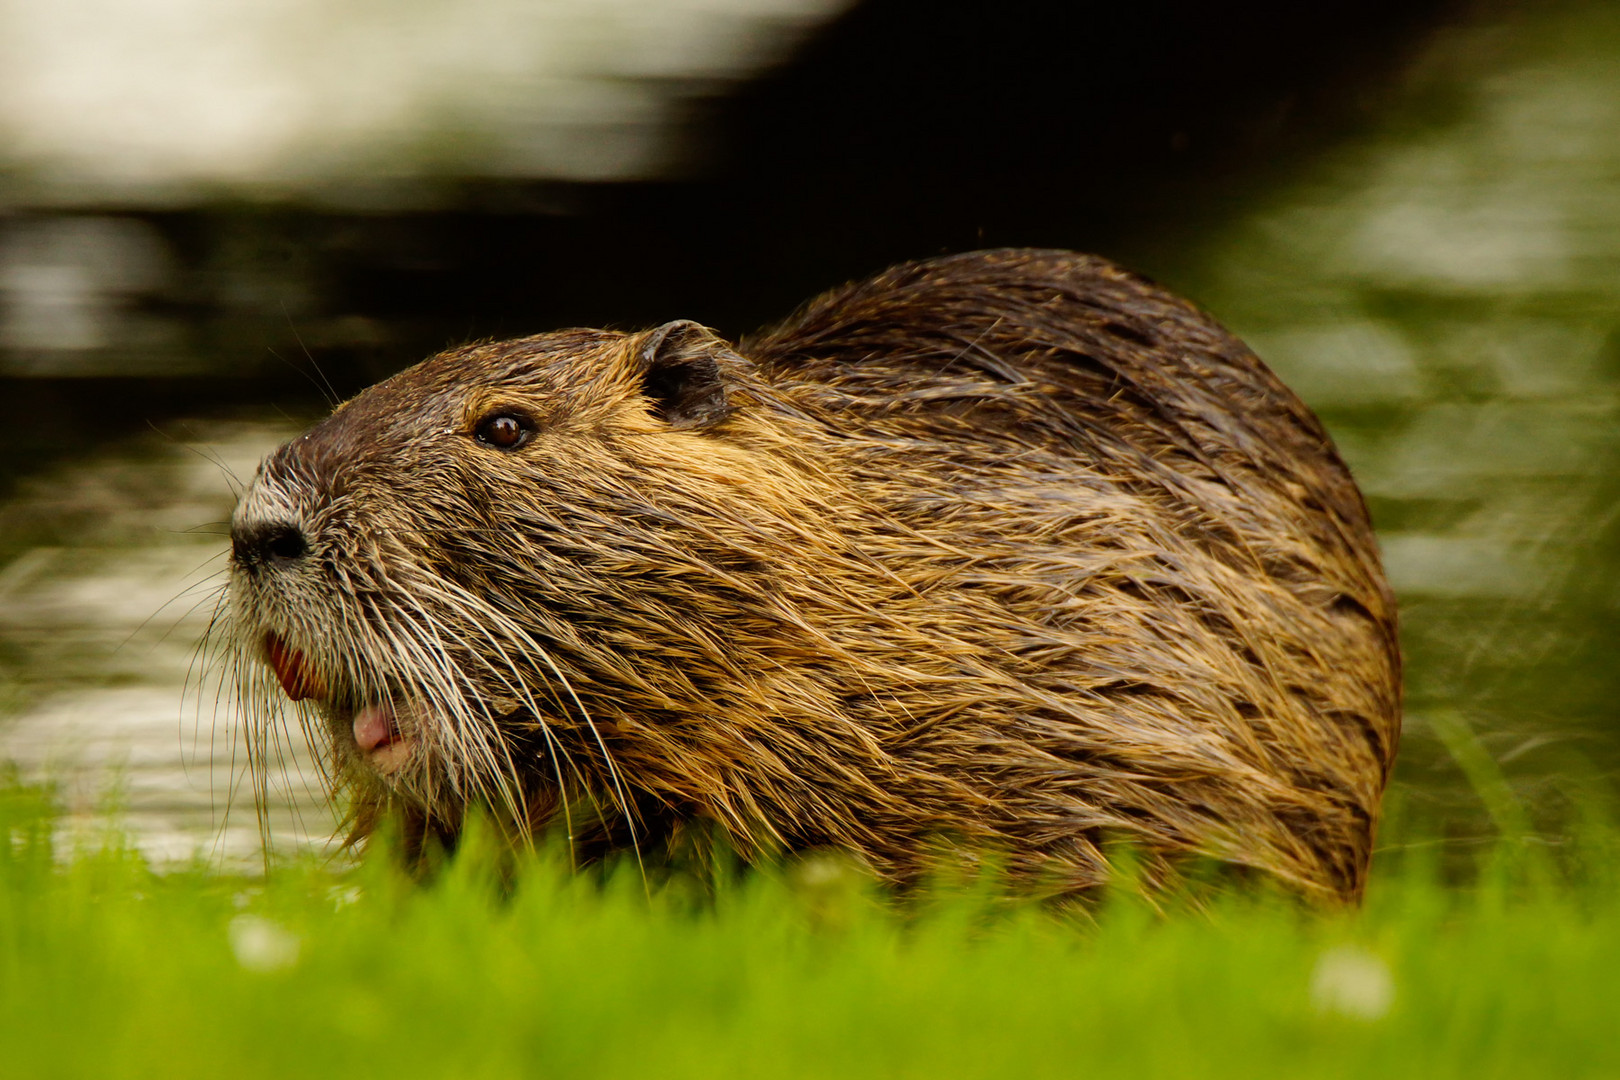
(504, 431)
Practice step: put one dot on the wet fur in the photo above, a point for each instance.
(1008, 551)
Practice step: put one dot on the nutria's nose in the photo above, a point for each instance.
(267, 542)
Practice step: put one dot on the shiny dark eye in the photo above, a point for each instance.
(504, 431)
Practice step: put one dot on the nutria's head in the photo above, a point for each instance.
(469, 570)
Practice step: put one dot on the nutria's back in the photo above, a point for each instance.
(1008, 550)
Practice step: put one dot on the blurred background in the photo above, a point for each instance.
(213, 218)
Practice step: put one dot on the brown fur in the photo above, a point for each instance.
(1010, 550)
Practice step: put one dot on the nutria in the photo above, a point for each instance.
(1009, 551)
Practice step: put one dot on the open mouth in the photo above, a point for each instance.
(375, 726)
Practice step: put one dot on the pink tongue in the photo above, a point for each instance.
(374, 727)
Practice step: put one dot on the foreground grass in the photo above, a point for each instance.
(107, 970)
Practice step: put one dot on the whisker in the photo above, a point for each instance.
(523, 638)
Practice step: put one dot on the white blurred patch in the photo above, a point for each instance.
(1352, 982)
(179, 98)
(67, 285)
(343, 895)
(262, 945)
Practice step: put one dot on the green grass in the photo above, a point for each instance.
(108, 970)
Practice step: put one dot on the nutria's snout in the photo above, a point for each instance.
(1010, 550)
(275, 580)
(267, 543)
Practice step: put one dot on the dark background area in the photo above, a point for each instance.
(905, 129)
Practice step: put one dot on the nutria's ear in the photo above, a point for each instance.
(681, 373)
